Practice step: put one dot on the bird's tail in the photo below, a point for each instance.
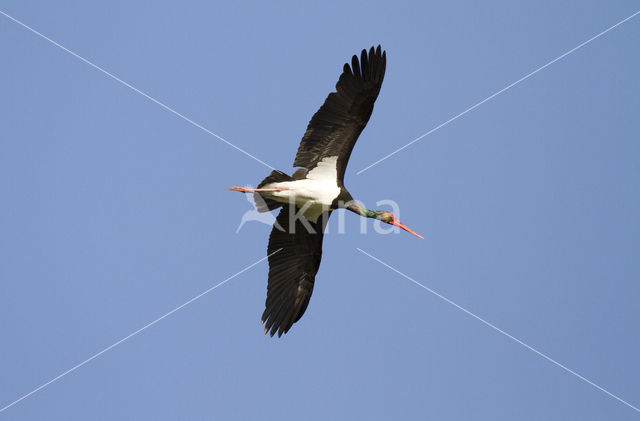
(264, 204)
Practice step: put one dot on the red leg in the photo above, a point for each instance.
(247, 190)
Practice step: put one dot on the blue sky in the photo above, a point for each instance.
(115, 211)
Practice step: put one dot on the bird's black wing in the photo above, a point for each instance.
(294, 259)
(335, 127)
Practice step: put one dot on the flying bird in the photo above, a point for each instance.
(316, 189)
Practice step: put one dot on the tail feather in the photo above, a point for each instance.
(264, 204)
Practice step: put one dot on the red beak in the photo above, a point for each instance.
(406, 228)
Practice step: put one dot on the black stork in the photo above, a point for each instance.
(315, 190)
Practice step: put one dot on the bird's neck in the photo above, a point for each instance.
(361, 210)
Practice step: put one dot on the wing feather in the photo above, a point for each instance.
(335, 127)
(294, 259)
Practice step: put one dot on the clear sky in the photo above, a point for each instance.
(115, 211)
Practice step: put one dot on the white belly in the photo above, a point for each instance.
(313, 194)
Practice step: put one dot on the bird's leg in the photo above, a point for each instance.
(248, 190)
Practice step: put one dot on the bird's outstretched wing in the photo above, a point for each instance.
(335, 127)
(294, 259)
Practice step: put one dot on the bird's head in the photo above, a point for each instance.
(390, 218)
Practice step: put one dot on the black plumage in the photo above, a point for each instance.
(335, 127)
(294, 255)
(294, 258)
